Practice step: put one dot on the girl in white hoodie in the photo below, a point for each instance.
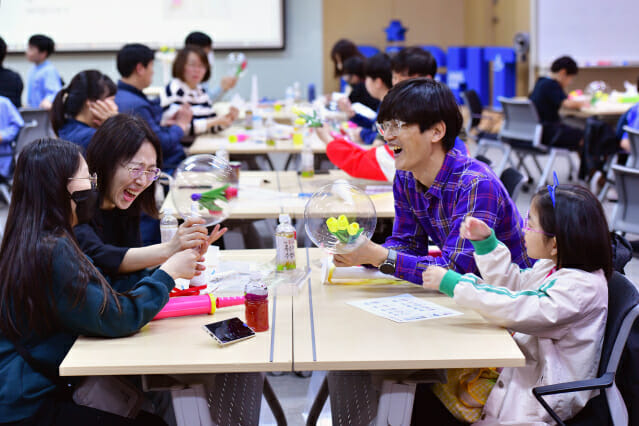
(556, 310)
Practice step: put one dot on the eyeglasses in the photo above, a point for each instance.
(136, 172)
(93, 179)
(196, 65)
(538, 231)
(390, 128)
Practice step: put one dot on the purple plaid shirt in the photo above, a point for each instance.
(463, 186)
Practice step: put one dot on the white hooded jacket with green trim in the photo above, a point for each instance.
(558, 319)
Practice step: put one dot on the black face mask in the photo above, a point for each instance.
(85, 204)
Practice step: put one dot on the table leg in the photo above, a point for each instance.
(274, 403)
(318, 404)
(268, 160)
(289, 160)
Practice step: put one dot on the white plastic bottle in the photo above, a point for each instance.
(168, 225)
(289, 97)
(285, 244)
(248, 119)
(307, 162)
(297, 91)
(222, 153)
(270, 131)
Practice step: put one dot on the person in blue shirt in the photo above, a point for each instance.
(629, 118)
(81, 107)
(632, 121)
(135, 65)
(51, 292)
(203, 41)
(43, 81)
(10, 124)
(10, 82)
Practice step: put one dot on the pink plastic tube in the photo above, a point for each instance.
(196, 305)
(223, 302)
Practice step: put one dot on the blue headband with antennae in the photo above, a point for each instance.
(552, 189)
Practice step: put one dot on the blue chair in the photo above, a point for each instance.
(368, 51)
(440, 56)
(608, 407)
(438, 53)
(391, 50)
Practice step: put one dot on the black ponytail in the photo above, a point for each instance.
(86, 85)
(57, 110)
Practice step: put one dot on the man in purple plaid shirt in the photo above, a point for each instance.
(435, 188)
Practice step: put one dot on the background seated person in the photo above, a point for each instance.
(43, 81)
(378, 81)
(190, 70)
(204, 42)
(377, 163)
(549, 96)
(80, 108)
(10, 81)
(10, 124)
(412, 62)
(353, 74)
(342, 50)
(135, 64)
(631, 119)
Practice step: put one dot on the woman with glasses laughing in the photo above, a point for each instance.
(126, 156)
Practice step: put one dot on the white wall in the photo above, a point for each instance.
(300, 61)
(593, 32)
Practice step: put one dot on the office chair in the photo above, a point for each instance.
(623, 310)
(522, 132)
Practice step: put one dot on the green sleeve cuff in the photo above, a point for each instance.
(487, 245)
(450, 280)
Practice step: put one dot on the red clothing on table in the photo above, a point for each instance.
(373, 163)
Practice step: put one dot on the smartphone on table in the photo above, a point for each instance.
(229, 331)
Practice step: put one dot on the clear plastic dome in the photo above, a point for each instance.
(235, 58)
(339, 217)
(597, 88)
(234, 63)
(200, 187)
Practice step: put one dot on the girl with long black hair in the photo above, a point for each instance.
(50, 292)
